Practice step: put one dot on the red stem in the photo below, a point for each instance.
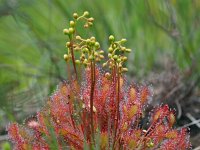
(91, 97)
(73, 59)
(118, 97)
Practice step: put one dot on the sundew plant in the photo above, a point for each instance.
(97, 108)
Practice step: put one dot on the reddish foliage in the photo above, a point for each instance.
(66, 118)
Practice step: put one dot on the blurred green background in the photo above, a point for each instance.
(32, 43)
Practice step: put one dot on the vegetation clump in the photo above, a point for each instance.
(98, 110)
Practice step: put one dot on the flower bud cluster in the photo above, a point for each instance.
(89, 51)
(116, 53)
(89, 48)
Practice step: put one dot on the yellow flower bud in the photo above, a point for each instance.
(86, 13)
(123, 40)
(101, 52)
(97, 45)
(85, 50)
(111, 38)
(85, 61)
(71, 30)
(115, 57)
(91, 57)
(86, 26)
(77, 62)
(78, 37)
(128, 50)
(124, 69)
(91, 19)
(124, 58)
(90, 23)
(72, 23)
(101, 56)
(75, 15)
(123, 48)
(110, 49)
(66, 57)
(92, 38)
(68, 44)
(66, 31)
(104, 64)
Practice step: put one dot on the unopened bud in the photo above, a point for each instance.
(72, 23)
(71, 30)
(91, 19)
(104, 64)
(111, 38)
(124, 58)
(77, 62)
(68, 44)
(128, 50)
(101, 52)
(115, 57)
(124, 69)
(91, 57)
(97, 45)
(110, 49)
(118, 60)
(66, 57)
(66, 31)
(92, 38)
(123, 40)
(86, 26)
(85, 50)
(75, 15)
(101, 56)
(123, 48)
(90, 23)
(78, 37)
(86, 13)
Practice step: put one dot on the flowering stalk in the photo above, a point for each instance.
(91, 97)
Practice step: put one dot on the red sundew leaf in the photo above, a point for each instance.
(124, 126)
(158, 134)
(171, 134)
(43, 121)
(132, 144)
(64, 90)
(144, 93)
(13, 130)
(180, 142)
(171, 119)
(132, 111)
(133, 94)
(160, 113)
(73, 139)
